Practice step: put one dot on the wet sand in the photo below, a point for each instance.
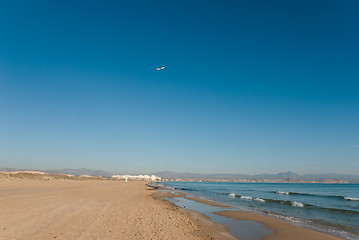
(282, 230)
(212, 203)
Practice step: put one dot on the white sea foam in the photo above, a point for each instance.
(288, 218)
(259, 200)
(351, 198)
(232, 195)
(282, 193)
(297, 204)
(247, 198)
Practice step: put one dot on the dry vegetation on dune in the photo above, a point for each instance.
(33, 175)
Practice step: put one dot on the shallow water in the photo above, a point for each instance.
(244, 230)
(331, 208)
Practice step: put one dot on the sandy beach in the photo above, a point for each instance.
(95, 209)
(188, 120)
(48, 207)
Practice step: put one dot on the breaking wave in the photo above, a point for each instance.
(282, 193)
(316, 195)
(232, 195)
(297, 204)
(288, 203)
(351, 199)
(259, 200)
(293, 204)
(246, 197)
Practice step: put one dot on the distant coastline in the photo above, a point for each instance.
(284, 177)
(327, 181)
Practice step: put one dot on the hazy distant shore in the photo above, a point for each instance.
(328, 181)
(283, 177)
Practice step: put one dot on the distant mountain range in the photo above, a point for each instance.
(287, 176)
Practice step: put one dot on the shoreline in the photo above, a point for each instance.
(214, 230)
(36, 206)
(282, 229)
(44, 207)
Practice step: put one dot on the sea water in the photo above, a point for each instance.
(331, 208)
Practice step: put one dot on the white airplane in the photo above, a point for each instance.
(160, 68)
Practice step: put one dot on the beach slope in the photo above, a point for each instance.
(91, 209)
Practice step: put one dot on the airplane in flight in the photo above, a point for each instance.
(160, 68)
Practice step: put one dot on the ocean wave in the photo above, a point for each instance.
(347, 211)
(288, 203)
(247, 198)
(315, 195)
(297, 204)
(284, 217)
(282, 193)
(300, 205)
(302, 194)
(259, 200)
(232, 195)
(295, 193)
(185, 189)
(351, 199)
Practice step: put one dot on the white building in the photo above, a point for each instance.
(137, 177)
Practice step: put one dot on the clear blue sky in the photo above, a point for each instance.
(249, 86)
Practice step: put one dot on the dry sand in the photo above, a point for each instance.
(49, 208)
